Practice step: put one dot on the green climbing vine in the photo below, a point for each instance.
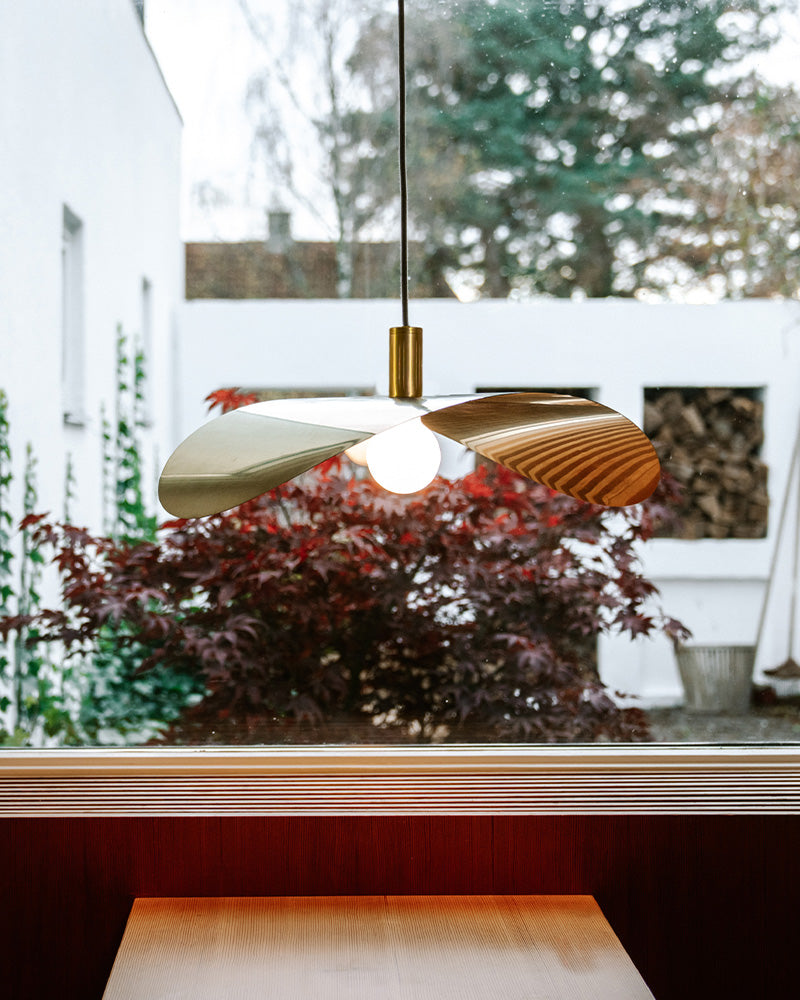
(32, 692)
(132, 522)
(118, 704)
(107, 490)
(6, 554)
(96, 695)
(27, 661)
(39, 687)
(69, 488)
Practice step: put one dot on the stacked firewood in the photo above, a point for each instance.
(710, 439)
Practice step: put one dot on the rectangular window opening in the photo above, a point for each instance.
(72, 319)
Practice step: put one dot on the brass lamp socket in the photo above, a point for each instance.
(405, 362)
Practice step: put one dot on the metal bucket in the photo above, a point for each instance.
(717, 680)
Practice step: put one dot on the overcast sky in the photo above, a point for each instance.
(208, 55)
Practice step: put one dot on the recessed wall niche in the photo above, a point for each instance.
(709, 438)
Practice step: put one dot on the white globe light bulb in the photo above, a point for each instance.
(405, 458)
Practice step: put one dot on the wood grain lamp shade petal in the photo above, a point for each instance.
(572, 445)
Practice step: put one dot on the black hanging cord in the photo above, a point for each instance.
(401, 58)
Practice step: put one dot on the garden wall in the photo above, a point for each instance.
(617, 349)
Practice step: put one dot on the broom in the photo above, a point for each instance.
(790, 668)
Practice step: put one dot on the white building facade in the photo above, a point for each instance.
(89, 203)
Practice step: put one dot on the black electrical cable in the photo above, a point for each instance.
(401, 56)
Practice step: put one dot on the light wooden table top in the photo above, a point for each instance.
(353, 947)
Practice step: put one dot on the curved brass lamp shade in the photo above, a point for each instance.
(573, 445)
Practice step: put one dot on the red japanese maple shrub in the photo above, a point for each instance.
(465, 612)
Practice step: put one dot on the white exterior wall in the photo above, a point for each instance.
(616, 347)
(87, 122)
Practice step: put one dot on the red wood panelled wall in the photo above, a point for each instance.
(706, 906)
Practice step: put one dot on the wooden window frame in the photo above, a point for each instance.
(653, 779)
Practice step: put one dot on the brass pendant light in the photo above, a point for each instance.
(573, 445)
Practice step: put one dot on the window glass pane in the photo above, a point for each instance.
(602, 220)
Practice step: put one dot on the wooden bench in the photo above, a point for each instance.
(353, 947)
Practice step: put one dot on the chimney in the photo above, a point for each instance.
(279, 231)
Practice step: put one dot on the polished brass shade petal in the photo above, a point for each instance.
(572, 445)
(239, 456)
